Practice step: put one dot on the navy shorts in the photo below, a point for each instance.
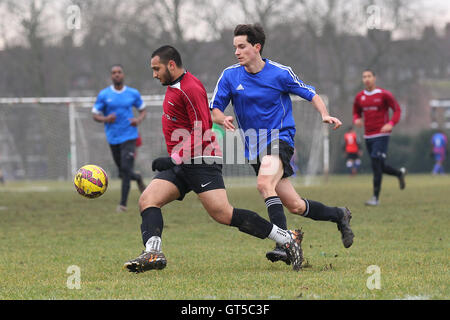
(285, 153)
(194, 177)
(352, 156)
(377, 147)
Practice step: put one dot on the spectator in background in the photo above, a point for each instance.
(439, 150)
(353, 151)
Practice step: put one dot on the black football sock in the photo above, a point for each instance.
(377, 167)
(318, 211)
(276, 212)
(251, 223)
(391, 171)
(152, 223)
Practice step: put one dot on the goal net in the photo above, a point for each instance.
(50, 138)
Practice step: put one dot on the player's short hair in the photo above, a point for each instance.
(369, 70)
(167, 53)
(116, 65)
(254, 32)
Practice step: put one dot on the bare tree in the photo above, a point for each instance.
(30, 15)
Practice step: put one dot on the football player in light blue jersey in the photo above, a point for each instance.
(259, 91)
(114, 108)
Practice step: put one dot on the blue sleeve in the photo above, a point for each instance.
(139, 103)
(99, 106)
(222, 94)
(296, 86)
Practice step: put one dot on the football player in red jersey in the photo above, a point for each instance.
(352, 150)
(194, 163)
(373, 104)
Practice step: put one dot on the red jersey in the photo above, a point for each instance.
(374, 106)
(351, 142)
(186, 120)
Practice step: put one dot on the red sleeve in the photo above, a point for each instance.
(357, 110)
(393, 104)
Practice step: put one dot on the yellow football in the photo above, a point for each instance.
(91, 181)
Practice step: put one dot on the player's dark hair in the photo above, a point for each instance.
(167, 53)
(369, 70)
(116, 65)
(254, 32)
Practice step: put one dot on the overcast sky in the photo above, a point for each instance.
(436, 12)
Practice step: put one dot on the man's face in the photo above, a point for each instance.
(368, 79)
(117, 75)
(245, 52)
(161, 71)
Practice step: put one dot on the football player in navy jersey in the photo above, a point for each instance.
(114, 108)
(259, 90)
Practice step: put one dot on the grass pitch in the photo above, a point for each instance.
(47, 227)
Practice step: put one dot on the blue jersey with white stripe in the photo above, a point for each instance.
(261, 102)
(110, 100)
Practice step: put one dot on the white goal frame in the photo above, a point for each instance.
(150, 100)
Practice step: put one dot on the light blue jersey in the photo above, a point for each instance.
(110, 100)
(261, 103)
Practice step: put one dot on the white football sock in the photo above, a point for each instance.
(153, 244)
(280, 236)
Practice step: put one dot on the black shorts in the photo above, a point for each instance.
(352, 156)
(194, 177)
(285, 153)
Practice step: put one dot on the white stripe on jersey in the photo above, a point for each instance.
(217, 85)
(292, 74)
(178, 86)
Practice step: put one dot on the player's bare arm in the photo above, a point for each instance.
(220, 118)
(358, 122)
(387, 128)
(321, 107)
(137, 121)
(111, 118)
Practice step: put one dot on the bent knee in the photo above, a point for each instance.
(146, 201)
(296, 207)
(222, 215)
(264, 187)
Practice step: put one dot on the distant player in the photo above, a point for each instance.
(352, 150)
(194, 162)
(373, 104)
(439, 149)
(2, 180)
(259, 91)
(114, 108)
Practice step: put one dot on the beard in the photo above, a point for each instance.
(167, 79)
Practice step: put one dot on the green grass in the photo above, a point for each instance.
(46, 227)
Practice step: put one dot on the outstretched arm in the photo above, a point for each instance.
(321, 107)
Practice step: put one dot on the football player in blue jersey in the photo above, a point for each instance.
(114, 108)
(259, 90)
